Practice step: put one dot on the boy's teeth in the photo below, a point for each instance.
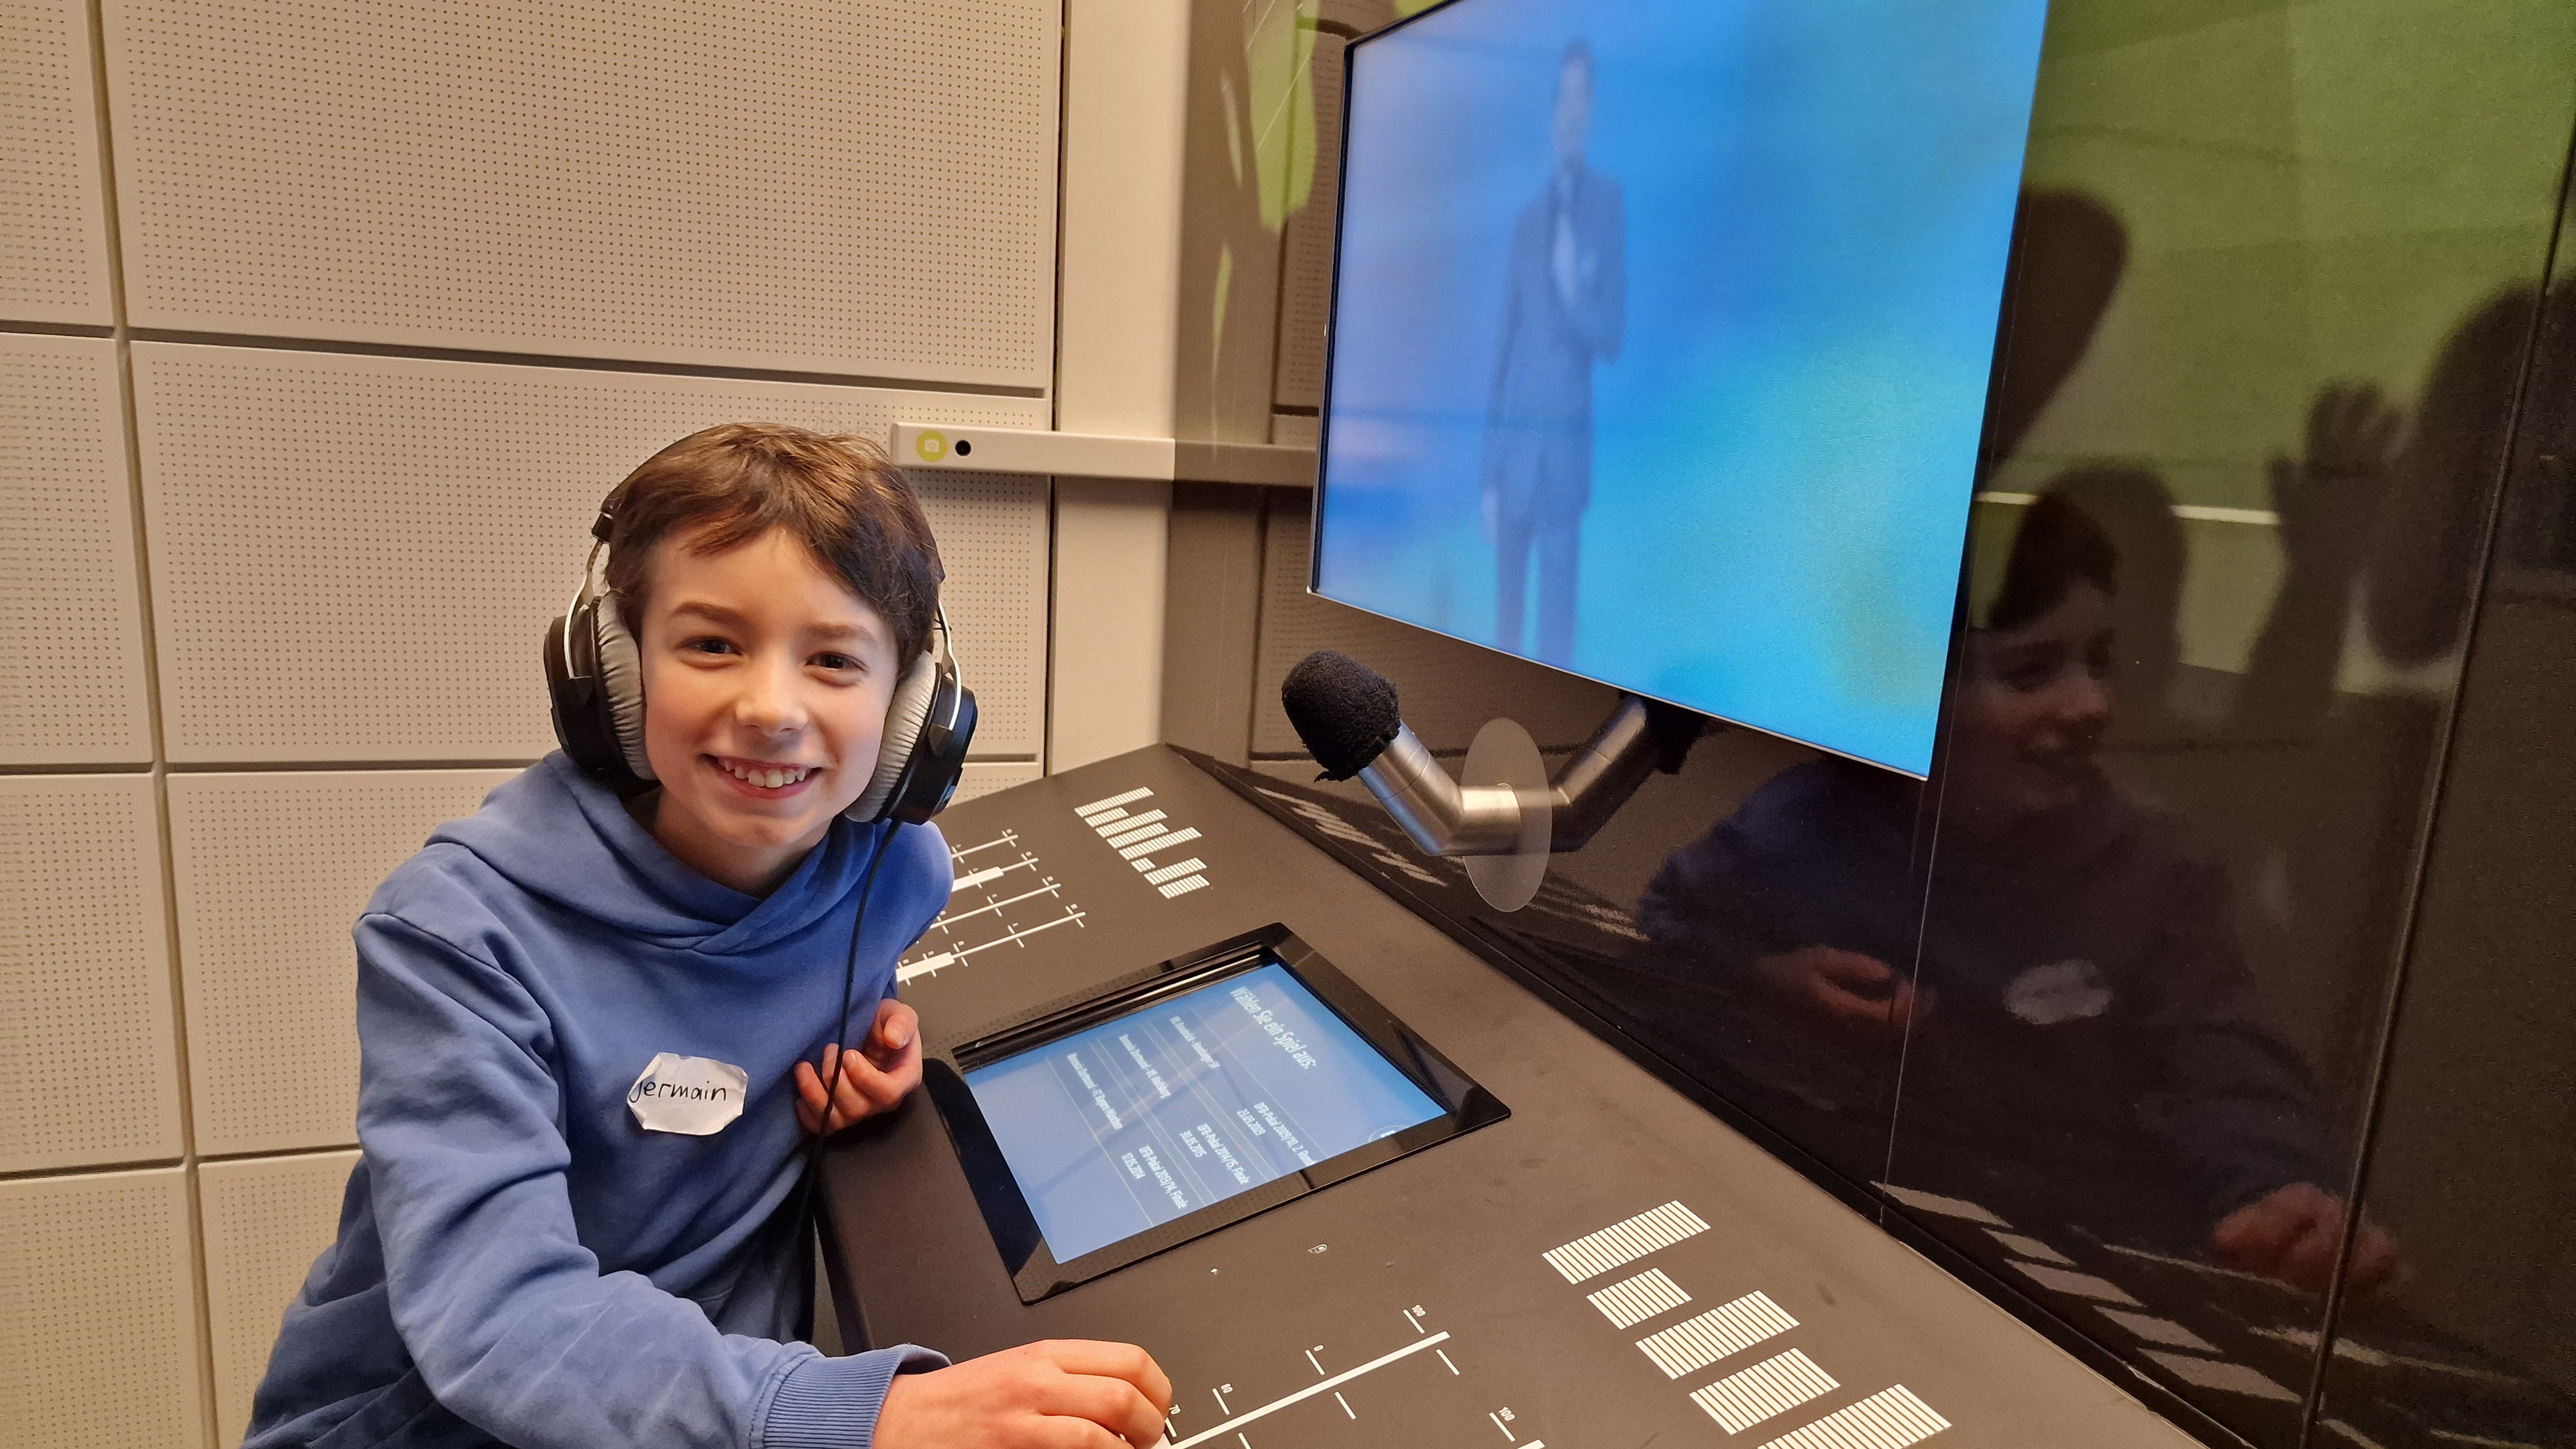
(770, 779)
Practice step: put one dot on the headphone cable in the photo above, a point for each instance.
(827, 1069)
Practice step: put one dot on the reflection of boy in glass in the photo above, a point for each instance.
(1565, 302)
(2074, 1039)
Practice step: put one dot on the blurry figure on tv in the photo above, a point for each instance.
(2077, 1042)
(1565, 303)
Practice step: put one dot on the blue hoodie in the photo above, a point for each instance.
(519, 1259)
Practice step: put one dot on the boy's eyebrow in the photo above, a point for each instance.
(736, 619)
(713, 613)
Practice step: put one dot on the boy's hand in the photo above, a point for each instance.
(875, 1078)
(1066, 1394)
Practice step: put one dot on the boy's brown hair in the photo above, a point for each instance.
(838, 495)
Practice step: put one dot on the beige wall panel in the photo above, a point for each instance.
(1112, 542)
(266, 1220)
(993, 538)
(859, 187)
(67, 574)
(981, 780)
(354, 558)
(88, 1057)
(53, 216)
(100, 1332)
(272, 872)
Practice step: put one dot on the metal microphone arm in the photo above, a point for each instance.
(1444, 817)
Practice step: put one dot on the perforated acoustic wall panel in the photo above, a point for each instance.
(339, 543)
(67, 575)
(266, 1219)
(272, 871)
(859, 187)
(100, 1328)
(985, 779)
(53, 209)
(88, 1060)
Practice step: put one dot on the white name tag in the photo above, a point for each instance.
(698, 1096)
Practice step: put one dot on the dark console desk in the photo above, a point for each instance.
(1516, 1287)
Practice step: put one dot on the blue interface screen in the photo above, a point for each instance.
(1661, 340)
(1132, 1123)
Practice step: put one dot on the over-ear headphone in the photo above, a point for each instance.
(595, 678)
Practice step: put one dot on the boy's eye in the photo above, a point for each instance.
(708, 646)
(835, 662)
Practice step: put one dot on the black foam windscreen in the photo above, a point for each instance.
(1344, 711)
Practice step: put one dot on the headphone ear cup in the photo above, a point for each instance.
(621, 685)
(905, 716)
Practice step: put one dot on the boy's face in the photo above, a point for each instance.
(2037, 699)
(766, 683)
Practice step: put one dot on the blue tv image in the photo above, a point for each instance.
(1661, 333)
(1127, 1125)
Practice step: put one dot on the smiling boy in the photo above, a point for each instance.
(588, 1017)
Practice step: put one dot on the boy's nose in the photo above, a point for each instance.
(769, 703)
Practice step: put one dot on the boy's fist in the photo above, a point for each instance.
(1066, 1394)
(873, 1079)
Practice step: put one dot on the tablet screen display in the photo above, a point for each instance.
(1128, 1124)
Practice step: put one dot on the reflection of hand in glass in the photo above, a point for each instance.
(1860, 997)
(2329, 502)
(2289, 1234)
(2329, 499)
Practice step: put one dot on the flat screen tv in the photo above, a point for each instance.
(1660, 340)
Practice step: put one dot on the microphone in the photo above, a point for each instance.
(1346, 713)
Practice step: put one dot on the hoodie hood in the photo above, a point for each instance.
(566, 838)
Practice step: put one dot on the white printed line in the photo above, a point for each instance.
(1177, 837)
(1169, 872)
(1889, 1419)
(1695, 1343)
(1220, 1403)
(1006, 838)
(1409, 1318)
(1105, 817)
(974, 878)
(1139, 793)
(1632, 1301)
(1184, 887)
(1345, 1403)
(1127, 838)
(1444, 1360)
(928, 964)
(1765, 1391)
(1126, 823)
(1310, 1358)
(1498, 1423)
(1326, 1387)
(1624, 1242)
(948, 920)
